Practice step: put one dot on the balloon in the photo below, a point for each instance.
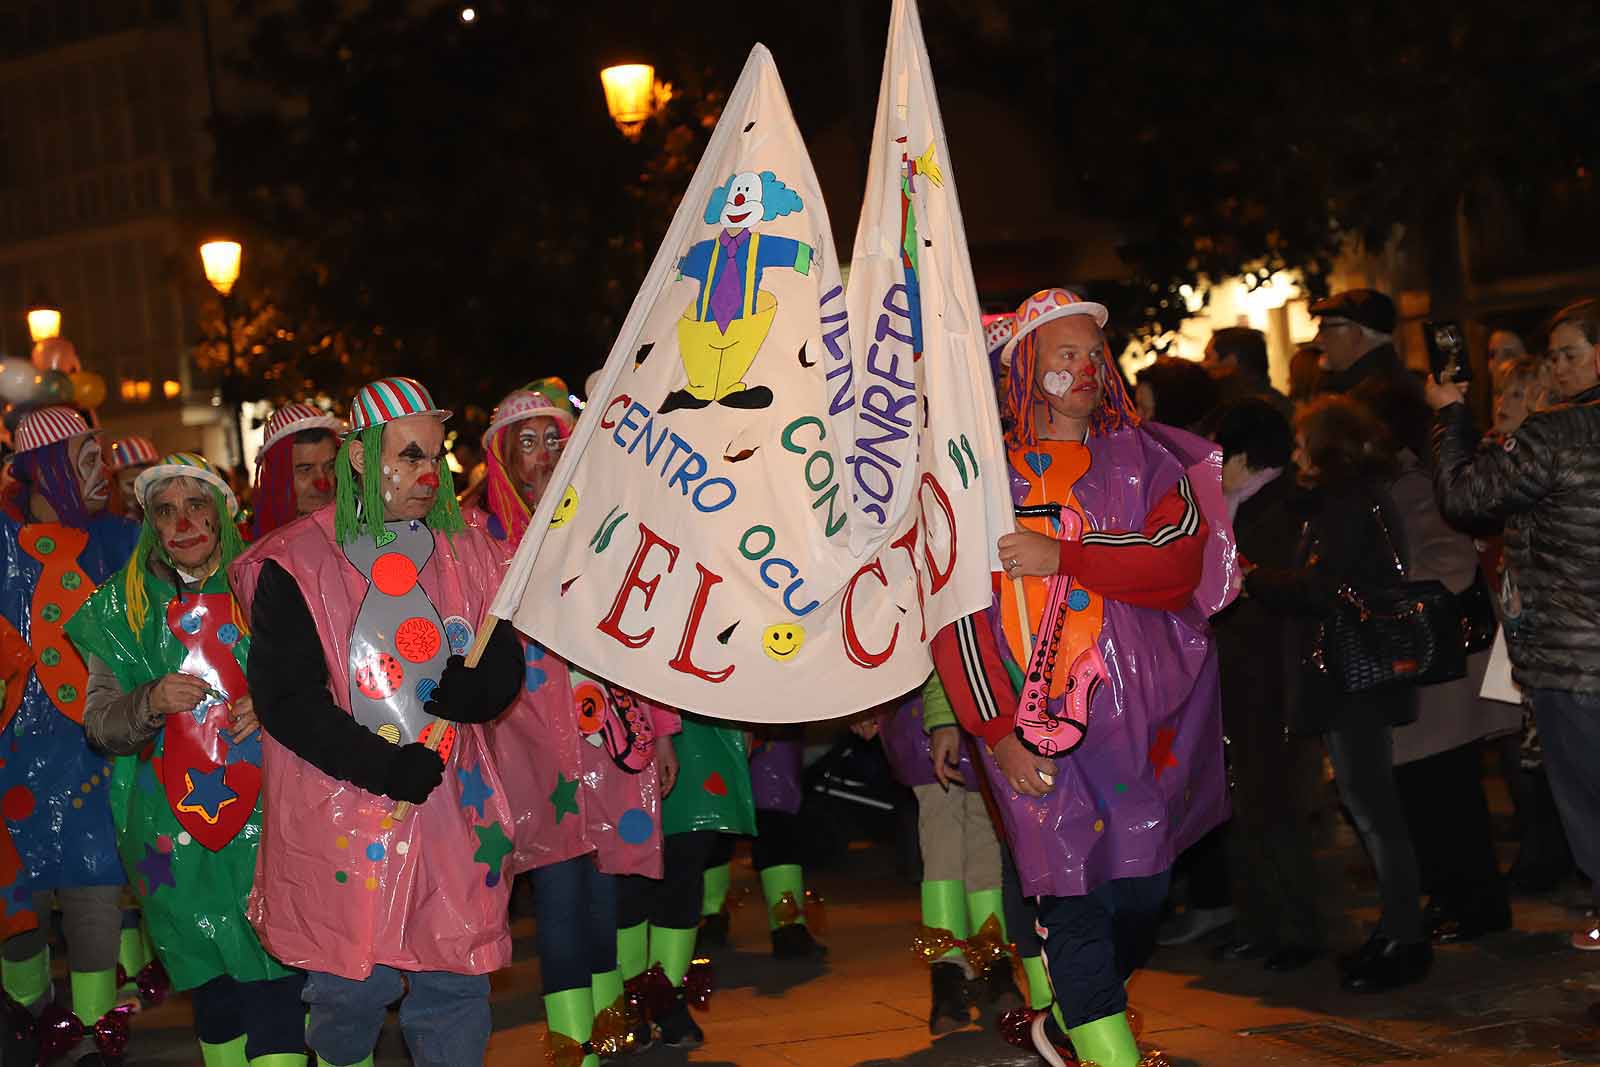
(56, 353)
(88, 389)
(18, 380)
(54, 388)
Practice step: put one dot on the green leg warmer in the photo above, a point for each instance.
(785, 878)
(1106, 1042)
(359, 1063)
(1039, 995)
(93, 994)
(673, 949)
(717, 881)
(943, 908)
(605, 988)
(633, 950)
(27, 981)
(982, 903)
(134, 951)
(282, 1059)
(227, 1054)
(571, 1014)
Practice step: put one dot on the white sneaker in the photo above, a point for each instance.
(1193, 924)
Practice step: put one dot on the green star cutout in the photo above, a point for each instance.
(493, 845)
(564, 796)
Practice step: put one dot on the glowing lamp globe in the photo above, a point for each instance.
(44, 323)
(221, 262)
(630, 95)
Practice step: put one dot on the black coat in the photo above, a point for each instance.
(1258, 665)
(1544, 482)
(1344, 542)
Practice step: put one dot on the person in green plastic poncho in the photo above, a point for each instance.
(166, 647)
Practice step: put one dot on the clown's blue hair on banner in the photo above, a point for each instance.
(777, 199)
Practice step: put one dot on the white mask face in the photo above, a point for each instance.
(1057, 382)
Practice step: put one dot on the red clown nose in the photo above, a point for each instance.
(322, 485)
(430, 479)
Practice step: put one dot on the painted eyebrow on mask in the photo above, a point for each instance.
(413, 451)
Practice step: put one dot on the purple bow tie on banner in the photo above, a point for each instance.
(727, 294)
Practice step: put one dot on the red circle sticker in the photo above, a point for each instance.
(17, 803)
(591, 701)
(417, 639)
(380, 677)
(394, 574)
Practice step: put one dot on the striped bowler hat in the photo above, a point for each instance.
(184, 465)
(388, 399)
(133, 451)
(46, 426)
(291, 419)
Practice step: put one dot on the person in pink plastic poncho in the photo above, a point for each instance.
(600, 763)
(361, 612)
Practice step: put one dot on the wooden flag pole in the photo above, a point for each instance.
(436, 737)
(1020, 595)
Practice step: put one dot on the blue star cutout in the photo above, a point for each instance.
(474, 790)
(208, 792)
(157, 869)
(246, 751)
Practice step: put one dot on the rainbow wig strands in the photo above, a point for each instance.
(352, 512)
(505, 503)
(1116, 410)
(150, 542)
(49, 472)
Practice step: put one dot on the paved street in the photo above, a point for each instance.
(1505, 1002)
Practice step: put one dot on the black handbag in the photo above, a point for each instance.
(1384, 637)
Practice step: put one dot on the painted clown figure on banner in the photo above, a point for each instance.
(294, 469)
(761, 489)
(167, 700)
(594, 767)
(362, 613)
(57, 543)
(1095, 695)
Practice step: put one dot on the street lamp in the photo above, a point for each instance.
(633, 95)
(221, 260)
(44, 322)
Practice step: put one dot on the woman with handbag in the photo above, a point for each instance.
(1347, 458)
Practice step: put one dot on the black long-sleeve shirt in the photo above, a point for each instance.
(289, 680)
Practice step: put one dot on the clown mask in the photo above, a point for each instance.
(313, 473)
(1069, 372)
(94, 481)
(532, 447)
(185, 518)
(743, 208)
(412, 448)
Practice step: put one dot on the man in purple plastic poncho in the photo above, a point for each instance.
(1109, 762)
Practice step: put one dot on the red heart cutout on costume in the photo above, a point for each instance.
(716, 786)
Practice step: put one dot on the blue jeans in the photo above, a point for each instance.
(576, 909)
(1094, 943)
(1569, 733)
(444, 1016)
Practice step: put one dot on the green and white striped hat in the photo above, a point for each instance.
(388, 399)
(185, 465)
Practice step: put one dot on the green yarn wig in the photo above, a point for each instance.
(358, 505)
